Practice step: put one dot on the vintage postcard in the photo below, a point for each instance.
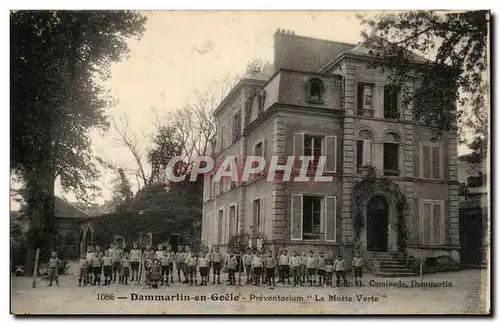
(250, 162)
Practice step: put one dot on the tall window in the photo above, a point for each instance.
(256, 215)
(248, 110)
(220, 221)
(311, 214)
(364, 150)
(391, 110)
(315, 90)
(221, 186)
(211, 187)
(258, 149)
(365, 99)
(431, 161)
(391, 147)
(313, 147)
(232, 221)
(237, 125)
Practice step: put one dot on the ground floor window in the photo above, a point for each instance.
(313, 218)
(256, 215)
(311, 215)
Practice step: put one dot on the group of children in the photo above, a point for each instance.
(260, 267)
(301, 268)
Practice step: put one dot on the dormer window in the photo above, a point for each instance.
(315, 91)
(261, 100)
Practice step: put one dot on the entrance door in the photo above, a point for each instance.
(377, 215)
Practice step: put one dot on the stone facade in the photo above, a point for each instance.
(283, 115)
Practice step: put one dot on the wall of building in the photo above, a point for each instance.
(293, 90)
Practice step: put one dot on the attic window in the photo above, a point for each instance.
(315, 91)
(261, 100)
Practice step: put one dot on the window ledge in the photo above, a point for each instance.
(315, 101)
(368, 112)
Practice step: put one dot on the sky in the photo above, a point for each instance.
(165, 66)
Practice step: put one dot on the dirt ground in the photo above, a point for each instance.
(468, 294)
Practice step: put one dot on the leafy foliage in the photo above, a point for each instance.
(58, 62)
(455, 74)
(159, 209)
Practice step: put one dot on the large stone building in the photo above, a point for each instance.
(324, 100)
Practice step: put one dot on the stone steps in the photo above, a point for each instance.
(388, 266)
(395, 274)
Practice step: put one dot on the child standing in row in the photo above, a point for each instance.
(231, 264)
(247, 261)
(83, 264)
(203, 263)
(96, 269)
(107, 267)
(284, 264)
(171, 259)
(191, 263)
(180, 259)
(321, 265)
(124, 269)
(116, 256)
(270, 264)
(295, 262)
(54, 268)
(257, 267)
(154, 273)
(90, 257)
(216, 259)
(135, 261)
(303, 268)
(357, 266)
(165, 262)
(329, 272)
(311, 262)
(339, 266)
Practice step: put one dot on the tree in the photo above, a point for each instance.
(122, 189)
(58, 62)
(454, 75)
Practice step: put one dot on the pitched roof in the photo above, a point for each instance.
(361, 49)
(64, 209)
(304, 53)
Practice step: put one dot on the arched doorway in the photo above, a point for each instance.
(377, 216)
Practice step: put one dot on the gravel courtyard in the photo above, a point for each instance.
(468, 294)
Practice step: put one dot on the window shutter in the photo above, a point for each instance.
(330, 218)
(264, 155)
(296, 221)
(425, 216)
(436, 163)
(218, 232)
(298, 147)
(367, 148)
(331, 153)
(426, 160)
(228, 215)
(262, 216)
(437, 224)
